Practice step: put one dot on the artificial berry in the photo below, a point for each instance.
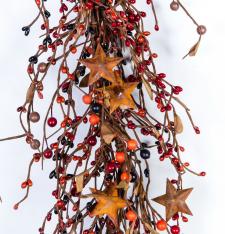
(52, 122)
(120, 157)
(145, 154)
(161, 225)
(131, 215)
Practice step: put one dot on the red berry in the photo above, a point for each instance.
(175, 229)
(48, 153)
(52, 122)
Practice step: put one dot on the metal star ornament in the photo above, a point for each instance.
(119, 93)
(101, 66)
(174, 200)
(108, 203)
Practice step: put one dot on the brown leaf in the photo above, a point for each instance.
(148, 87)
(123, 185)
(84, 82)
(108, 133)
(178, 125)
(194, 49)
(30, 93)
(80, 181)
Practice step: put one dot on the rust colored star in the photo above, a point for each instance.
(101, 66)
(108, 203)
(119, 93)
(174, 200)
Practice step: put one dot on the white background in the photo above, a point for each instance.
(202, 78)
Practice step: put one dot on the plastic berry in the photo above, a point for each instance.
(94, 119)
(132, 144)
(34, 117)
(174, 6)
(87, 99)
(161, 225)
(131, 215)
(120, 157)
(96, 107)
(52, 122)
(125, 176)
(48, 153)
(145, 154)
(175, 229)
(92, 140)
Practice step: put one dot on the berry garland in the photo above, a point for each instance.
(113, 158)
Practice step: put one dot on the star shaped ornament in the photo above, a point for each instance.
(174, 200)
(101, 66)
(119, 93)
(108, 203)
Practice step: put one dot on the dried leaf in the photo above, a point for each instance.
(108, 133)
(123, 185)
(30, 93)
(80, 181)
(178, 125)
(84, 82)
(194, 49)
(148, 87)
(148, 226)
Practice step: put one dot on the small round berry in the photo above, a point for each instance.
(110, 167)
(145, 154)
(174, 6)
(120, 157)
(42, 67)
(48, 153)
(87, 99)
(175, 229)
(125, 176)
(161, 225)
(96, 108)
(132, 144)
(131, 215)
(94, 119)
(201, 29)
(35, 144)
(52, 122)
(92, 140)
(34, 117)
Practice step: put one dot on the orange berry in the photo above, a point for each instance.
(94, 119)
(132, 144)
(131, 215)
(87, 99)
(73, 49)
(125, 176)
(64, 70)
(120, 157)
(161, 225)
